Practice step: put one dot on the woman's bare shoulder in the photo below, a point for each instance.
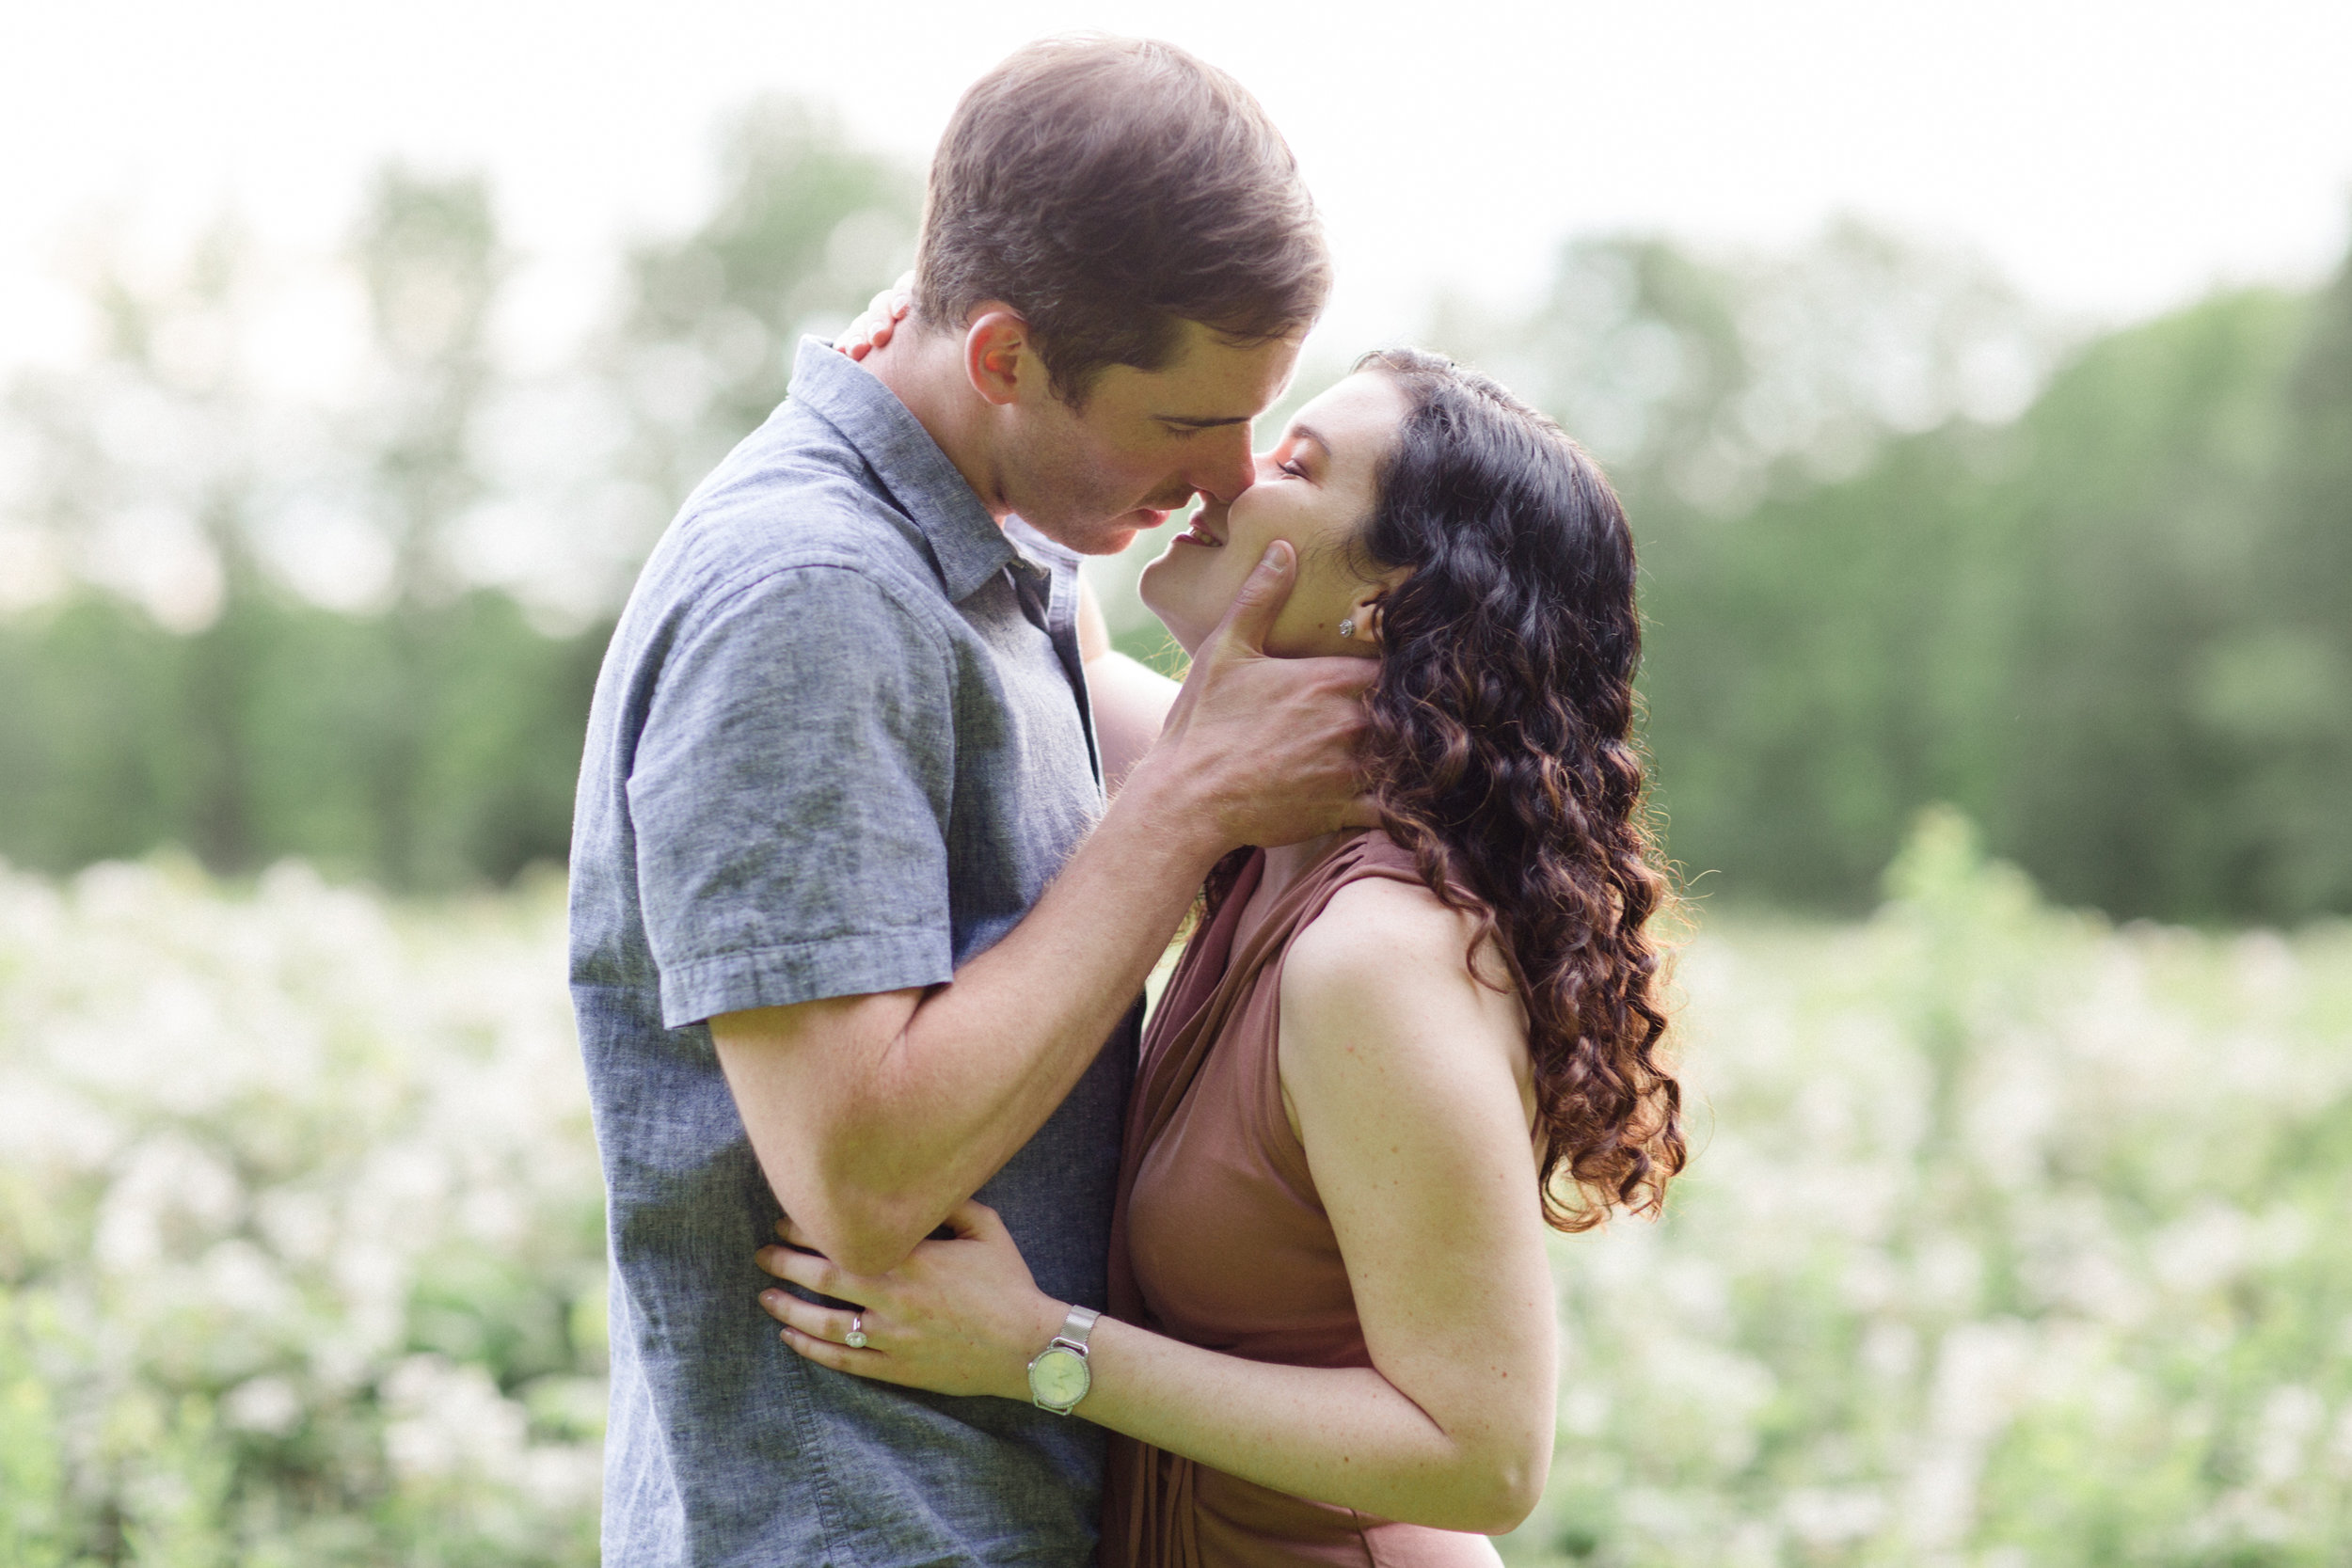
(1379, 979)
(1370, 922)
(1378, 934)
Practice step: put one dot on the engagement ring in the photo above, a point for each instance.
(855, 1340)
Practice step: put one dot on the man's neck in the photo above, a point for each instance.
(924, 371)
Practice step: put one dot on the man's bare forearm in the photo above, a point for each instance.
(928, 1098)
(874, 1115)
(1047, 996)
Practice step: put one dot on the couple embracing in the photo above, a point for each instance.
(878, 839)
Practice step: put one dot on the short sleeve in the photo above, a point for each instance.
(790, 797)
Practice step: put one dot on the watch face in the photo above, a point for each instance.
(1058, 1377)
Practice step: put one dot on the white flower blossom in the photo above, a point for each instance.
(298, 1175)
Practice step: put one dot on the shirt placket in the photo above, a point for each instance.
(1042, 596)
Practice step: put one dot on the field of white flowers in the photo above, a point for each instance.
(300, 1228)
(2012, 1240)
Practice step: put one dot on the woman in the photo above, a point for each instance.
(1387, 1060)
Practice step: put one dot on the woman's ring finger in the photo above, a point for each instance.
(830, 1325)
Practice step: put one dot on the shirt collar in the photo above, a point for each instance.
(967, 542)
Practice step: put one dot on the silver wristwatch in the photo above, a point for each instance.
(1059, 1378)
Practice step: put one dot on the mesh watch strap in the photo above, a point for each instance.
(1076, 1327)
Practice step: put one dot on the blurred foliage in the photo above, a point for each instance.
(2013, 1237)
(430, 747)
(2077, 626)
(1903, 541)
(301, 1254)
(2114, 625)
(806, 228)
(430, 736)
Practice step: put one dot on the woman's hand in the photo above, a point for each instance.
(880, 320)
(960, 1316)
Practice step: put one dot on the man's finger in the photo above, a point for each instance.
(1340, 673)
(1261, 599)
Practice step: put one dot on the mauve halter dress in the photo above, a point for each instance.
(1220, 1240)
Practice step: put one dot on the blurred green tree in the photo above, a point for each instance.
(1894, 551)
(177, 689)
(2119, 562)
(144, 475)
(427, 742)
(2280, 686)
(2034, 621)
(1706, 382)
(2111, 624)
(806, 227)
(429, 255)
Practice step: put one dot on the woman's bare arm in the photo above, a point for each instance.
(1130, 700)
(1407, 1082)
(1405, 1077)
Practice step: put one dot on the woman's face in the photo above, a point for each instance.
(1315, 489)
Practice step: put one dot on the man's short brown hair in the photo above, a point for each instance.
(1107, 189)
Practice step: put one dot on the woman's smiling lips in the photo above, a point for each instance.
(1196, 534)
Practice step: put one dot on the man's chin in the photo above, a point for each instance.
(1121, 530)
(1107, 537)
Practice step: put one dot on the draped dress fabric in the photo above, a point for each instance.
(1220, 1240)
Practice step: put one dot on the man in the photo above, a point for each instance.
(843, 741)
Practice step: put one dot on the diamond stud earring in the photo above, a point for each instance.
(1348, 628)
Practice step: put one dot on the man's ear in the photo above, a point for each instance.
(998, 357)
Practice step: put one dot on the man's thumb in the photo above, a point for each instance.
(1261, 599)
(972, 1218)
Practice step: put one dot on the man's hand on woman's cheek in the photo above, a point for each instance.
(1266, 747)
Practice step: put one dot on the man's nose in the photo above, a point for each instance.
(1231, 468)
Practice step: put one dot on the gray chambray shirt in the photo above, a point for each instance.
(840, 744)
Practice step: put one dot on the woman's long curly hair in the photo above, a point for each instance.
(1502, 757)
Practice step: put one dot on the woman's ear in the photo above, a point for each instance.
(1370, 604)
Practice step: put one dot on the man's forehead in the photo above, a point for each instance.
(1213, 380)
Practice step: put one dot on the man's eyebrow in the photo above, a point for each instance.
(1201, 421)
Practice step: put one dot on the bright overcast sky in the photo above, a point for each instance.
(2113, 155)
